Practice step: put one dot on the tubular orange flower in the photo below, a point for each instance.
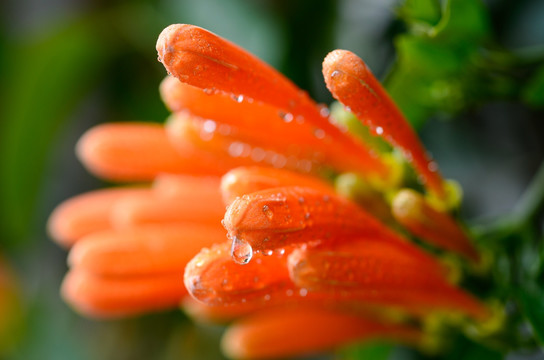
(293, 331)
(305, 257)
(202, 59)
(351, 82)
(438, 228)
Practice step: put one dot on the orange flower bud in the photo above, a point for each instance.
(351, 82)
(246, 180)
(280, 217)
(436, 227)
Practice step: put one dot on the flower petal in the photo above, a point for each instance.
(351, 82)
(436, 227)
(134, 152)
(247, 180)
(279, 217)
(377, 275)
(115, 297)
(202, 59)
(189, 134)
(84, 214)
(247, 120)
(143, 250)
(213, 278)
(279, 333)
(151, 208)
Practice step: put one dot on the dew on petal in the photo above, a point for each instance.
(266, 210)
(287, 117)
(241, 251)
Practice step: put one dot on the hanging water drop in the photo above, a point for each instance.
(241, 251)
(379, 130)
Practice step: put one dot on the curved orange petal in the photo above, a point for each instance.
(351, 82)
(143, 250)
(246, 180)
(134, 152)
(114, 297)
(376, 276)
(279, 333)
(248, 119)
(219, 313)
(202, 59)
(84, 214)
(213, 278)
(190, 134)
(152, 208)
(437, 228)
(189, 187)
(279, 217)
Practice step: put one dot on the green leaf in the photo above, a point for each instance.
(435, 69)
(531, 301)
(46, 79)
(372, 350)
(533, 93)
(420, 12)
(463, 21)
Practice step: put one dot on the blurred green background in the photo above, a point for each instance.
(475, 92)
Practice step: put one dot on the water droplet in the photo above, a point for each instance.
(225, 285)
(236, 149)
(241, 251)
(266, 210)
(301, 200)
(209, 91)
(268, 252)
(303, 292)
(324, 111)
(237, 98)
(244, 300)
(209, 126)
(307, 216)
(319, 133)
(335, 73)
(280, 251)
(224, 129)
(379, 130)
(287, 117)
(433, 166)
(289, 292)
(159, 58)
(258, 154)
(326, 198)
(266, 297)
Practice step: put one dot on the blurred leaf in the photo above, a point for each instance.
(373, 350)
(416, 12)
(435, 65)
(533, 93)
(46, 78)
(467, 349)
(463, 21)
(531, 302)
